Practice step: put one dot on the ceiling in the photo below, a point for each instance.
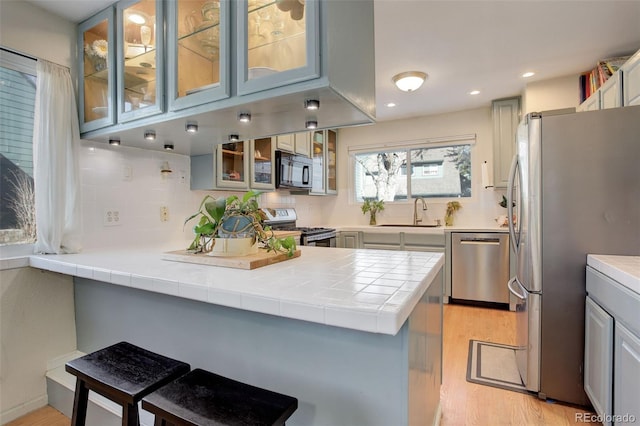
(472, 45)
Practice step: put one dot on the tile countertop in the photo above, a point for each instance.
(367, 290)
(623, 269)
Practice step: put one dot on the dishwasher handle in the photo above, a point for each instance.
(510, 284)
(487, 241)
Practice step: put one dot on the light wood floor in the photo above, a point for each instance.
(468, 404)
(463, 403)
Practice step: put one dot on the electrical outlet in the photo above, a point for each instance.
(164, 214)
(111, 217)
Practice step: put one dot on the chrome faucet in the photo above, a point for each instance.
(415, 210)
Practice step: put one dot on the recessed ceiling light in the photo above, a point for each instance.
(528, 74)
(312, 104)
(474, 92)
(150, 135)
(191, 127)
(390, 104)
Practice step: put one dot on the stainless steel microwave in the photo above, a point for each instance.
(293, 171)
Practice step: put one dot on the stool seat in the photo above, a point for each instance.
(123, 373)
(204, 398)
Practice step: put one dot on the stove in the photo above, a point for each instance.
(284, 219)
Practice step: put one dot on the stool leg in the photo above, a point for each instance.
(80, 400)
(130, 415)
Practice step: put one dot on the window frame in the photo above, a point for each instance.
(26, 64)
(408, 145)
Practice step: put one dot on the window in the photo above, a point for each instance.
(424, 169)
(17, 103)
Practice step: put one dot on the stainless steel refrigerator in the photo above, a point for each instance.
(575, 182)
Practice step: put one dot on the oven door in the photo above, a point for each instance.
(325, 242)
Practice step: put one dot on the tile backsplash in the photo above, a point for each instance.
(123, 192)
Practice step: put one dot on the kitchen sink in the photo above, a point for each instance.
(426, 225)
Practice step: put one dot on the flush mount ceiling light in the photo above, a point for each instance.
(150, 135)
(114, 142)
(168, 147)
(244, 117)
(311, 124)
(410, 80)
(234, 138)
(191, 127)
(312, 104)
(528, 74)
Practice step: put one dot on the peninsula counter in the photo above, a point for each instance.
(355, 335)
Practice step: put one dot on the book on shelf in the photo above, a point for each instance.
(590, 81)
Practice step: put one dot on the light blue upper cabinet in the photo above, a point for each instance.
(96, 66)
(198, 37)
(140, 62)
(278, 43)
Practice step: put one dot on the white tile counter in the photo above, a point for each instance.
(623, 269)
(373, 291)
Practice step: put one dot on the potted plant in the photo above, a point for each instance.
(232, 218)
(452, 207)
(373, 207)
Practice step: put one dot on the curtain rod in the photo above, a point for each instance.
(26, 56)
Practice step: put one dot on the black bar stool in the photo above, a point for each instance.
(202, 398)
(123, 373)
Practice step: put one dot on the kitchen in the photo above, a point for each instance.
(105, 185)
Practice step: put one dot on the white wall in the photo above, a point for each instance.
(557, 93)
(36, 32)
(37, 323)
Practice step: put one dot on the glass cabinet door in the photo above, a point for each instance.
(317, 146)
(140, 58)
(198, 45)
(332, 187)
(96, 69)
(232, 164)
(262, 167)
(278, 43)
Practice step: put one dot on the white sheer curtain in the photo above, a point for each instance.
(56, 139)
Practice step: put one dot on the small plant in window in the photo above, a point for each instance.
(452, 207)
(373, 207)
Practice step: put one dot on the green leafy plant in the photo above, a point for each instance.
(373, 207)
(232, 217)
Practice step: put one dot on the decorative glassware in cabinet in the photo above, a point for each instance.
(140, 58)
(198, 51)
(317, 155)
(263, 164)
(95, 37)
(332, 186)
(279, 43)
(232, 165)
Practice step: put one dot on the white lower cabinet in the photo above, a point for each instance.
(612, 349)
(598, 358)
(626, 376)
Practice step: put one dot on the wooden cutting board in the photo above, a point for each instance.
(252, 261)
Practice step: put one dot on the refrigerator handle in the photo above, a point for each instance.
(511, 282)
(515, 242)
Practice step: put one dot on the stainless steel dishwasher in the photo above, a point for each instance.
(480, 266)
